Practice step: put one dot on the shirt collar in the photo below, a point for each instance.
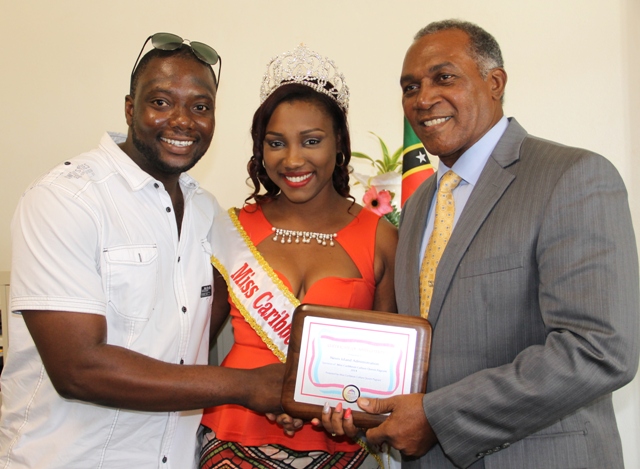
(130, 171)
(472, 162)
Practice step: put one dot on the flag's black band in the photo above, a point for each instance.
(414, 158)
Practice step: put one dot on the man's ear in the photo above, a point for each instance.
(128, 109)
(497, 78)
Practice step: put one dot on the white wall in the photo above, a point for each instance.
(573, 72)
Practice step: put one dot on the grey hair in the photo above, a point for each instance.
(484, 48)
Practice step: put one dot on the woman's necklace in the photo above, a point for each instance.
(287, 236)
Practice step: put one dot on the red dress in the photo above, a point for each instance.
(241, 425)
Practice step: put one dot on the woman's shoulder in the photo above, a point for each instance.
(365, 215)
(251, 215)
(366, 220)
(249, 210)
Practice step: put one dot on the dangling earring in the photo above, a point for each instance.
(340, 159)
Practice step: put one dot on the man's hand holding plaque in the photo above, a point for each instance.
(405, 429)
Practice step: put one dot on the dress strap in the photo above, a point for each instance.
(255, 223)
(359, 240)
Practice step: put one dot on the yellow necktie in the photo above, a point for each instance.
(442, 227)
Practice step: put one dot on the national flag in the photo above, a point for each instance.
(416, 166)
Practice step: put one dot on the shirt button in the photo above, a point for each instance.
(184, 309)
(168, 209)
(67, 163)
(181, 361)
(178, 259)
(156, 185)
(164, 459)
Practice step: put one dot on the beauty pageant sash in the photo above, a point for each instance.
(255, 289)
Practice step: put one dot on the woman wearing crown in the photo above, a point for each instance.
(303, 239)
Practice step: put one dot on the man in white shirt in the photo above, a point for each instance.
(112, 289)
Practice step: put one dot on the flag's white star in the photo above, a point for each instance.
(422, 157)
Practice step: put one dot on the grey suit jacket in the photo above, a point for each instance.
(535, 311)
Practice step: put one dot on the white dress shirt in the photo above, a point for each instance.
(98, 235)
(469, 167)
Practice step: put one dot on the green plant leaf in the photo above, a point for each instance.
(393, 216)
(388, 163)
(383, 146)
(395, 159)
(357, 154)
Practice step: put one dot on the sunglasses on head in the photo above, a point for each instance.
(168, 41)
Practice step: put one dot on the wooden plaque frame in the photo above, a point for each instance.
(361, 419)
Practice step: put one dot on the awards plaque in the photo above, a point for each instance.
(337, 355)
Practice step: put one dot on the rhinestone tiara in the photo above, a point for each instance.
(305, 67)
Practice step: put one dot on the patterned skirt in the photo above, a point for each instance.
(218, 454)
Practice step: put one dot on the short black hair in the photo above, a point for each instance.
(484, 48)
(184, 51)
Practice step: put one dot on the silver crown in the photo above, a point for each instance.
(308, 68)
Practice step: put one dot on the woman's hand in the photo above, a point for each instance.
(288, 423)
(337, 422)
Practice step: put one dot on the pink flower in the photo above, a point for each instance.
(378, 202)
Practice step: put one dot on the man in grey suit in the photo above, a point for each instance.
(535, 307)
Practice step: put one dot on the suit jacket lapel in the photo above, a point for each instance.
(414, 217)
(492, 184)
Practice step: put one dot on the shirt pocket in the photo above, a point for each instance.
(567, 450)
(492, 265)
(132, 279)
